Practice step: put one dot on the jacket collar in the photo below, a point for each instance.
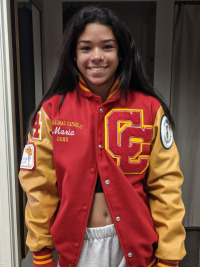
(84, 90)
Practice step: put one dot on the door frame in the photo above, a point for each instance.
(9, 228)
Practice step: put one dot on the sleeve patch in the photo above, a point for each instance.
(28, 157)
(37, 127)
(166, 133)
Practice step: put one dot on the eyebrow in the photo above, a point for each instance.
(104, 41)
(108, 40)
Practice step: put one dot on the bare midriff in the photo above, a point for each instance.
(99, 214)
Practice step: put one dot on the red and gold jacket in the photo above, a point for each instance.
(130, 144)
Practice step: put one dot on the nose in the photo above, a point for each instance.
(97, 55)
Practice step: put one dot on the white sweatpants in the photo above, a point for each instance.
(101, 248)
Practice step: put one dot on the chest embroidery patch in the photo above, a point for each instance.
(28, 157)
(64, 130)
(166, 133)
(126, 139)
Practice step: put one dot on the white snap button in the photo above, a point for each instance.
(130, 255)
(107, 182)
(118, 219)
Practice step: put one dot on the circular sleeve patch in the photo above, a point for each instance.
(166, 133)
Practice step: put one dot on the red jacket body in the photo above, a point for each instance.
(113, 139)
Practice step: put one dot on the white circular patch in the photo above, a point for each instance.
(166, 133)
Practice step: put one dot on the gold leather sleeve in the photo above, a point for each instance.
(164, 187)
(38, 180)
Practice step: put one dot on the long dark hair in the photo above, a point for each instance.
(130, 70)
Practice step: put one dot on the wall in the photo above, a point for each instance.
(52, 36)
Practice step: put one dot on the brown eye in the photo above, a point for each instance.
(107, 47)
(85, 48)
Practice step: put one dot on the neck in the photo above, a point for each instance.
(101, 90)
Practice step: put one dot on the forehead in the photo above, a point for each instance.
(95, 31)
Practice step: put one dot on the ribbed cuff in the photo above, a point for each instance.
(43, 258)
(167, 263)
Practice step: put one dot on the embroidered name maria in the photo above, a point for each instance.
(58, 130)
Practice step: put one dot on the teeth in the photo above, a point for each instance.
(97, 69)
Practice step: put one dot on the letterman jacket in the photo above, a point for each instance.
(131, 146)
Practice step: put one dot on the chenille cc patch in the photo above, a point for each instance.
(127, 139)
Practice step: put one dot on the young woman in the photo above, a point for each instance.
(100, 168)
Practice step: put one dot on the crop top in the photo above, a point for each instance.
(98, 188)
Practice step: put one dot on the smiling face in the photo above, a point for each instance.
(97, 58)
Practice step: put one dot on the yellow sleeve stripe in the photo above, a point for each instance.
(161, 265)
(42, 257)
(43, 262)
(166, 265)
(152, 263)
